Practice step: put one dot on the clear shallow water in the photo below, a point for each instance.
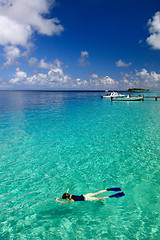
(52, 141)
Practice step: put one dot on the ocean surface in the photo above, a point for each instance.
(52, 141)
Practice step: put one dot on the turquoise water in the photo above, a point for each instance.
(52, 141)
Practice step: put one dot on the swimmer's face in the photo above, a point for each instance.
(66, 196)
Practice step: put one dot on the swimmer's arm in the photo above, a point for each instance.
(63, 202)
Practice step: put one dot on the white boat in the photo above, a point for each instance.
(112, 94)
(128, 98)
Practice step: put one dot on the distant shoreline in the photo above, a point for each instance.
(137, 89)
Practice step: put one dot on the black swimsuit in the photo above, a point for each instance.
(77, 198)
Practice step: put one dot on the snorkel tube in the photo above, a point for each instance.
(67, 190)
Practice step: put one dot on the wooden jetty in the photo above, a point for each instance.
(155, 97)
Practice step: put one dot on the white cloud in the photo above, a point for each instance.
(12, 32)
(21, 18)
(141, 79)
(84, 54)
(82, 61)
(33, 61)
(44, 65)
(154, 30)
(143, 73)
(102, 82)
(81, 84)
(154, 41)
(94, 76)
(108, 80)
(11, 54)
(19, 77)
(121, 63)
(55, 77)
(40, 79)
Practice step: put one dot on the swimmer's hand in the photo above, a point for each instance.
(56, 198)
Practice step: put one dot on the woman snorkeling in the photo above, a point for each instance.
(89, 196)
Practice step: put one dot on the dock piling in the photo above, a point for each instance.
(155, 97)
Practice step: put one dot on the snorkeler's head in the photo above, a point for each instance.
(66, 196)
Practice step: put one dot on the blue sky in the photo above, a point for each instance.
(79, 44)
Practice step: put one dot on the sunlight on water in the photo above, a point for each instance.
(52, 141)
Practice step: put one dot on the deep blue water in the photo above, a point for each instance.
(52, 141)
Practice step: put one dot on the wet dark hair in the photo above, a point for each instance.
(66, 196)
